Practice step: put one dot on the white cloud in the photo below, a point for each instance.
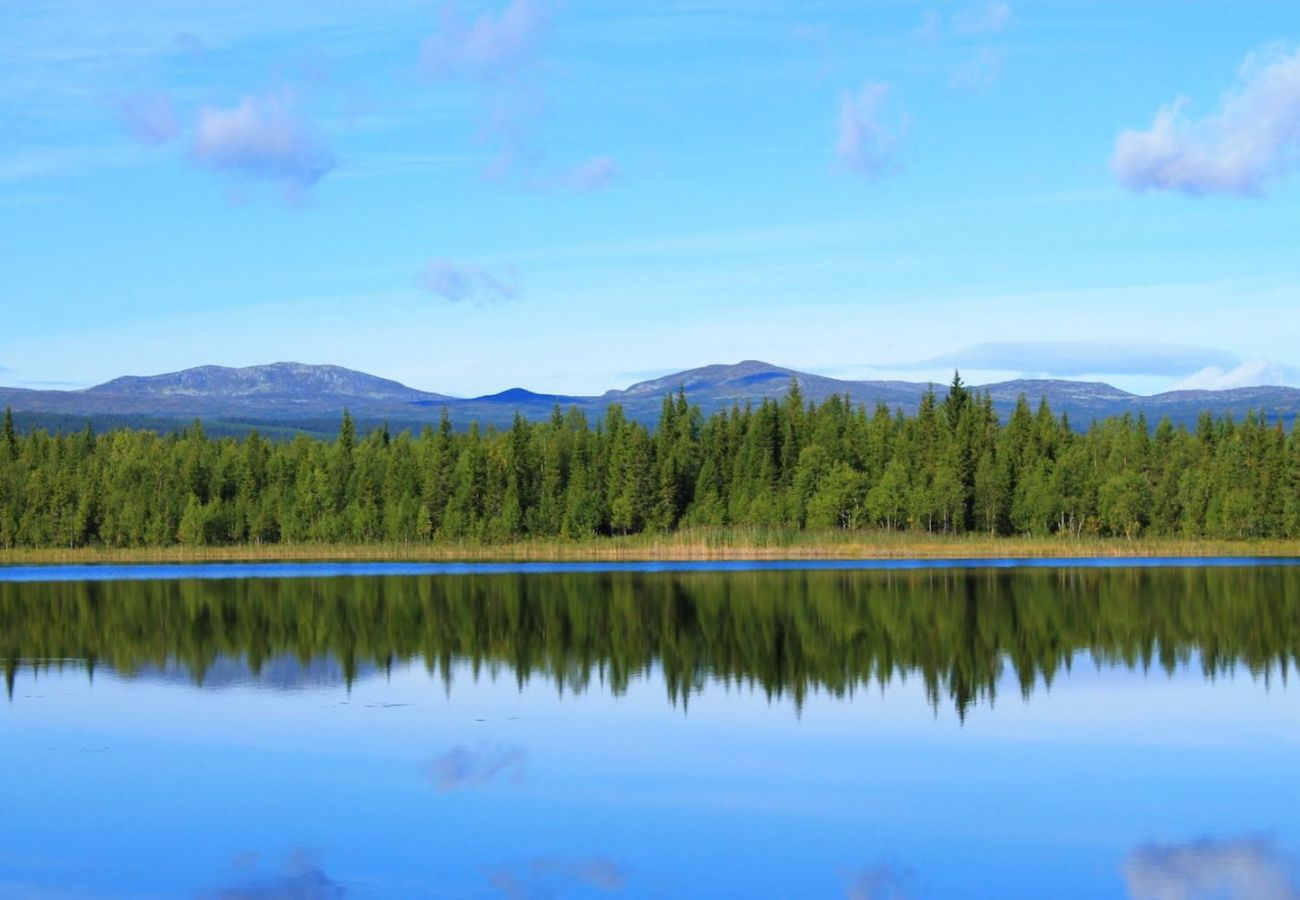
(867, 141)
(1205, 869)
(262, 137)
(1252, 373)
(1254, 135)
(459, 282)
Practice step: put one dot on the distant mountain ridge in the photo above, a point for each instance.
(285, 382)
(311, 397)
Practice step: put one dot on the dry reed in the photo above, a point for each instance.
(689, 544)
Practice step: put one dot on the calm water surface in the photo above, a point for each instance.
(555, 732)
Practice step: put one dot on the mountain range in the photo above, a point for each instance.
(297, 397)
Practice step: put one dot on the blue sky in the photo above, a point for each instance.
(573, 196)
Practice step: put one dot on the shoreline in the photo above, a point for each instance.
(681, 547)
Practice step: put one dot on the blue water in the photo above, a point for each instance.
(303, 776)
(279, 570)
(397, 789)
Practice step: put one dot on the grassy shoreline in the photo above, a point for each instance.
(721, 544)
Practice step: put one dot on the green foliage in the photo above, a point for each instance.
(951, 468)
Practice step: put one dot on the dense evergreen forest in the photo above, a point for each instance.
(788, 633)
(952, 467)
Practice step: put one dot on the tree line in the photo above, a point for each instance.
(962, 633)
(952, 467)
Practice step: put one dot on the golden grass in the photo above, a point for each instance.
(691, 544)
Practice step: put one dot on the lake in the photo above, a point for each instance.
(799, 730)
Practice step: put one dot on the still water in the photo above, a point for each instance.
(585, 732)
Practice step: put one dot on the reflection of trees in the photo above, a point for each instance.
(786, 632)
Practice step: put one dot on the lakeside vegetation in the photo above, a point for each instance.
(695, 543)
(786, 633)
(825, 479)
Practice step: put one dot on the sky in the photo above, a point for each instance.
(574, 195)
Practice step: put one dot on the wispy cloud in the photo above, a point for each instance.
(189, 42)
(932, 26)
(980, 20)
(490, 45)
(150, 117)
(463, 767)
(980, 72)
(460, 282)
(592, 175)
(968, 31)
(499, 50)
(1251, 373)
(44, 162)
(1071, 358)
(868, 136)
(495, 49)
(529, 171)
(542, 878)
(986, 18)
(1210, 868)
(1253, 136)
(262, 137)
(520, 164)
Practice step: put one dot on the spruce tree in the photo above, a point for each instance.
(9, 436)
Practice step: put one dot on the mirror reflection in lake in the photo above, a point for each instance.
(866, 734)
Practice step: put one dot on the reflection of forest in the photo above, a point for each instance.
(787, 632)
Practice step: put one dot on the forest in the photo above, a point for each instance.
(953, 467)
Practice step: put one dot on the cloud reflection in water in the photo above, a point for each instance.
(536, 879)
(1235, 869)
(879, 883)
(300, 878)
(463, 767)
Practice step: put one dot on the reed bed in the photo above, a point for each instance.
(689, 544)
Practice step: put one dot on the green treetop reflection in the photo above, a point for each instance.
(787, 633)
